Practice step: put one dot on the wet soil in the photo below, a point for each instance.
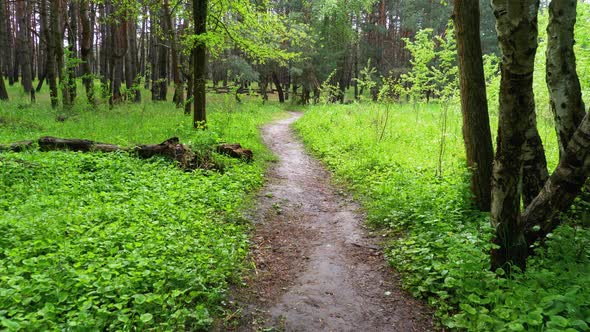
(315, 268)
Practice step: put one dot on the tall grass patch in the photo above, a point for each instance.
(440, 242)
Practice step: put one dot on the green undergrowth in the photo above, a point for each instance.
(97, 241)
(389, 157)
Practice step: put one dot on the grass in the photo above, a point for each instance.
(440, 244)
(95, 241)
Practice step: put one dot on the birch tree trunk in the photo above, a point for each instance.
(562, 78)
(516, 23)
(564, 185)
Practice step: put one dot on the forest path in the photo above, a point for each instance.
(315, 267)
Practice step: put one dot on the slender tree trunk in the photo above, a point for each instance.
(23, 45)
(3, 93)
(474, 107)
(105, 49)
(86, 51)
(53, 37)
(163, 63)
(132, 34)
(70, 68)
(4, 38)
(178, 89)
(517, 33)
(200, 64)
(189, 85)
(118, 60)
(275, 78)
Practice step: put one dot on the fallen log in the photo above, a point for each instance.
(235, 151)
(16, 146)
(170, 148)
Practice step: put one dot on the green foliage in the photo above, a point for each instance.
(419, 77)
(433, 65)
(440, 242)
(111, 242)
(368, 78)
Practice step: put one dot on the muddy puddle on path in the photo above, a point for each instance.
(315, 267)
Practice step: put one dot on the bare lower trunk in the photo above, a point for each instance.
(3, 93)
(275, 78)
(534, 172)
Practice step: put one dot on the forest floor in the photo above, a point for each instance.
(315, 267)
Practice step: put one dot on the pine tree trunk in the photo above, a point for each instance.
(4, 39)
(72, 36)
(189, 85)
(3, 52)
(52, 39)
(517, 34)
(119, 42)
(178, 98)
(163, 63)
(134, 64)
(23, 45)
(3, 93)
(86, 51)
(474, 107)
(200, 64)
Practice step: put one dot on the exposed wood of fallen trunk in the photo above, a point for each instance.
(170, 148)
(235, 151)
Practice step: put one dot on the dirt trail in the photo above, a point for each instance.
(316, 269)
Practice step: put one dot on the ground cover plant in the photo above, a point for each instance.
(94, 241)
(440, 243)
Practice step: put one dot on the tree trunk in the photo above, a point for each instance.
(178, 91)
(517, 34)
(474, 107)
(119, 42)
(5, 35)
(3, 50)
(86, 52)
(189, 85)
(200, 64)
(53, 37)
(70, 67)
(3, 93)
(534, 172)
(562, 79)
(23, 45)
(275, 78)
(566, 181)
(163, 63)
